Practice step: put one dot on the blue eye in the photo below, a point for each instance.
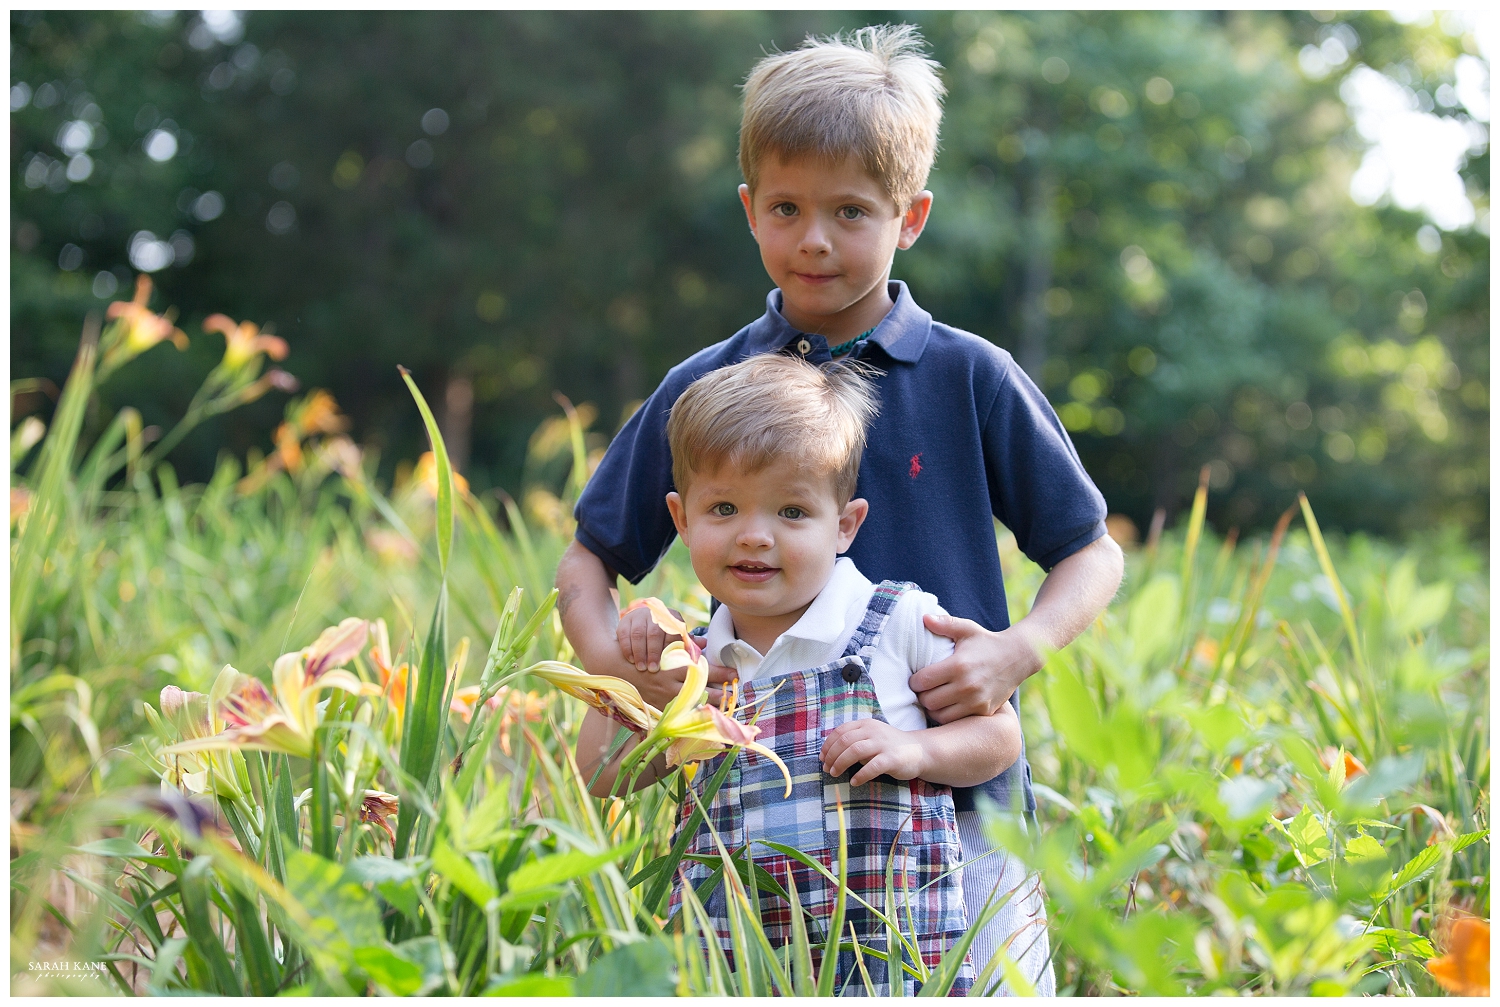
(792, 513)
(722, 509)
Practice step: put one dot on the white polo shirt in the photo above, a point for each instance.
(820, 636)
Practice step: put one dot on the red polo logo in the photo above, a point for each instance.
(916, 464)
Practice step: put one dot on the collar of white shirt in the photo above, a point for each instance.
(825, 625)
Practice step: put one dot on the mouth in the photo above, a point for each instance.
(816, 278)
(753, 573)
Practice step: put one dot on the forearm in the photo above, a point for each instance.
(970, 751)
(1071, 598)
(595, 739)
(589, 612)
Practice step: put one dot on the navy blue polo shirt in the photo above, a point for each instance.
(963, 437)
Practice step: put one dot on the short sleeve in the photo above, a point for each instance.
(622, 513)
(923, 647)
(1038, 486)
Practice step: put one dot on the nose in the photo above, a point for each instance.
(815, 238)
(755, 534)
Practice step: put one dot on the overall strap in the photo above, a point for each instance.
(882, 603)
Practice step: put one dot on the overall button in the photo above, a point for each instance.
(851, 673)
(804, 347)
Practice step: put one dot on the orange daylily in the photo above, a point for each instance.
(243, 341)
(515, 707)
(1465, 969)
(143, 327)
(425, 476)
(392, 676)
(1331, 756)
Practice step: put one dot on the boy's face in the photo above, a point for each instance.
(827, 235)
(764, 542)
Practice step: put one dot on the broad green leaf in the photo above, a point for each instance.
(532, 985)
(562, 867)
(1247, 796)
(1153, 619)
(457, 870)
(1074, 713)
(1417, 868)
(389, 970)
(1468, 839)
(1393, 940)
(645, 969)
(1364, 848)
(344, 915)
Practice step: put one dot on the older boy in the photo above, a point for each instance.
(836, 143)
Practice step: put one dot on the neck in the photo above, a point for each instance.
(841, 326)
(761, 631)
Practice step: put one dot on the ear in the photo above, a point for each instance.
(915, 219)
(750, 209)
(853, 515)
(679, 515)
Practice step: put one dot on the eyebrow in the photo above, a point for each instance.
(843, 197)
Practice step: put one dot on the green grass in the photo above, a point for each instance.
(1192, 838)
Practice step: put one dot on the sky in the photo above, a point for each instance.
(1415, 155)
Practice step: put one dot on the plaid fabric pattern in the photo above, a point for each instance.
(911, 823)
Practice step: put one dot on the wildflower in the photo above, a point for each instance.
(20, 503)
(616, 698)
(243, 341)
(392, 676)
(515, 705)
(283, 719)
(376, 806)
(425, 476)
(1331, 757)
(189, 716)
(136, 329)
(694, 729)
(1465, 969)
(143, 327)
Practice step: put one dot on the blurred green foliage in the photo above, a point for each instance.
(1150, 210)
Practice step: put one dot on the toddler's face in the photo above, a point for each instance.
(827, 234)
(764, 543)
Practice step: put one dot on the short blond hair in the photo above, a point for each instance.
(872, 95)
(773, 407)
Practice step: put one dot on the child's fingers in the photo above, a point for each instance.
(846, 745)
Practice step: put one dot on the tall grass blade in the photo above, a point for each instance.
(49, 488)
(444, 475)
(1326, 562)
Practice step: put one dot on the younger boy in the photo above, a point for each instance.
(836, 144)
(765, 456)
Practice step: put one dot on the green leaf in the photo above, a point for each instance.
(644, 969)
(560, 868)
(389, 970)
(457, 870)
(1468, 839)
(444, 475)
(1152, 622)
(530, 985)
(1394, 941)
(1363, 848)
(1417, 868)
(344, 915)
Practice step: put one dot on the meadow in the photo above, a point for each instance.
(1264, 771)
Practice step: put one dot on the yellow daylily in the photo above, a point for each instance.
(514, 706)
(189, 716)
(283, 718)
(696, 730)
(614, 697)
(392, 676)
(243, 341)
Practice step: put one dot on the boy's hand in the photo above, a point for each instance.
(982, 673)
(884, 750)
(641, 639)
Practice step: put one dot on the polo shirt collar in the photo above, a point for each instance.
(902, 334)
(823, 622)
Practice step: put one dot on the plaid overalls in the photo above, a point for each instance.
(915, 819)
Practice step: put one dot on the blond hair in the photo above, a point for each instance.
(773, 407)
(872, 95)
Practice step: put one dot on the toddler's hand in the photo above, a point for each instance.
(884, 750)
(641, 639)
